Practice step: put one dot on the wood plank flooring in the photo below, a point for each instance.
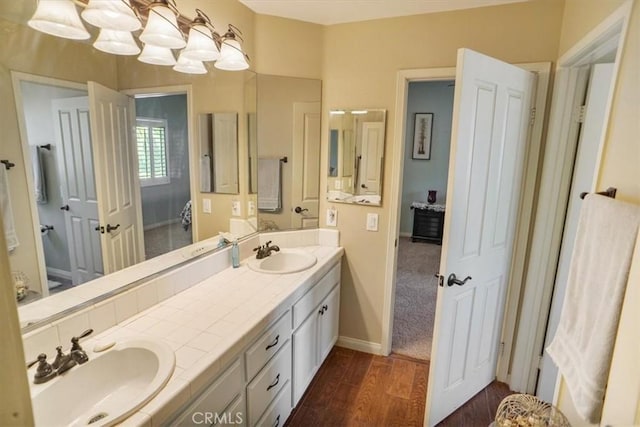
(360, 389)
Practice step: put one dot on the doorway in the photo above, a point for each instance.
(424, 189)
(162, 138)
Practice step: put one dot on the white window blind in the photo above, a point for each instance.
(153, 163)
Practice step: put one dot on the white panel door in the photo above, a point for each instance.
(329, 320)
(225, 152)
(489, 134)
(591, 135)
(78, 187)
(372, 153)
(305, 164)
(305, 355)
(112, 128)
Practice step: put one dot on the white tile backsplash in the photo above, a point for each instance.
(44, 340)
(102, 317)
(126, 305)
(72, 326)
(147, 296)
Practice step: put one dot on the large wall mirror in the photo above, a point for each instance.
(65, 181)
(356, 156)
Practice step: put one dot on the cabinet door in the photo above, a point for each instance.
(328, 335)
(305, 355)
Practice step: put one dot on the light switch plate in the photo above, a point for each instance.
(206, 206)
(251, 208)
(236, 210)
(372, 222)
(332, 217)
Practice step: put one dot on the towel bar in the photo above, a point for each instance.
(609, 192)
(284, 159)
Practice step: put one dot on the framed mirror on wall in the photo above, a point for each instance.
(356, 156)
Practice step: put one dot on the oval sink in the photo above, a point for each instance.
(108, 388)
(283, 262)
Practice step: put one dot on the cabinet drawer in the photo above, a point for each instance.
(278, 412)
(307, 304)
(266, 385)
(216, 397)
(267, 345)
(234, 415)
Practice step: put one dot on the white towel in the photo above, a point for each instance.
(583, 345)
(39, 180)
(269, 185)
(205, 174)
(7, 211)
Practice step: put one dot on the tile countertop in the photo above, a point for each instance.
(208, 325)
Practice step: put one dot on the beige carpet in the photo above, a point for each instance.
(415, 306)
(160, 240)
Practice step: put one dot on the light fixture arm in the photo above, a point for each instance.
(203, 19)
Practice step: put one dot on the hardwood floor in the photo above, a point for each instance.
(360, 389)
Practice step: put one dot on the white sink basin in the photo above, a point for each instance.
(283, 262)
(106, 389)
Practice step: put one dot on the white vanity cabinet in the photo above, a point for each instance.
(315, 318)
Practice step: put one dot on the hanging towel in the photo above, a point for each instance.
(7, 211)
(39, 181)
(205, 174)
(269, 185)
(583, 345)
(185, 216)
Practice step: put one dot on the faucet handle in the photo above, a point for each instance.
(257, 249)
(74, 340)
(268, 243)
(44, 372)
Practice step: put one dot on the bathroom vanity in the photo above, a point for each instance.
(247, 343)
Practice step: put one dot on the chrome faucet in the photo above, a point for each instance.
(265, 250)
(62, 363)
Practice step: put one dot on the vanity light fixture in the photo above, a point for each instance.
(359, 112)
(337, 112)
(164, 31)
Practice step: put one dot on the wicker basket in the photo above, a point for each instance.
(524, 410)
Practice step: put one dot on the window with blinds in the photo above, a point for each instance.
(151, 139)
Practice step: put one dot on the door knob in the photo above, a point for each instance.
(452, 280)
(112, 227)
(363, 186)
(100, 229)
(298, 210)
(64, 208)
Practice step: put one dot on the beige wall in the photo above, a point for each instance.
(360, 65)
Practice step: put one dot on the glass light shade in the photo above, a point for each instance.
(157, 55)
(189, 66)
(58, 18)
(231, 57)
(200, 45)
(162, 29)
(111, 15)
(116, 42)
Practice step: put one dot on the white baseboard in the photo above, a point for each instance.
(405, 234)
(360, 345)
(59, 273)
(161, 224)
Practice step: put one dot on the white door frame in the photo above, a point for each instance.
(193, 152)
(17, 77)
(554, 189)
(525, 217)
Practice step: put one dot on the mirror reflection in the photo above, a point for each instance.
(219, 153)
(356, 156)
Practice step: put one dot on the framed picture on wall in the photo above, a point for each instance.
(423, 126)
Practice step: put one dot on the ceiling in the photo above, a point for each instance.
(329, 12)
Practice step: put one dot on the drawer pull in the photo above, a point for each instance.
(273, 344)
(277, 421)
(275, 383)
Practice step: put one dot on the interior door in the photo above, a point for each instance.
(372, 153)
(225, 152)
(489, 133)
(112, 128)
(305, 165)
(78, 187)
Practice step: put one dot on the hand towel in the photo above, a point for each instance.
(7, 211)
(39, 180)
(583, 345)
(205, 174)
(185, 216)
(269, 185)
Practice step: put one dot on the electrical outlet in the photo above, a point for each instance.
(236, 210)
(372, 222)
(206, 206)
(332, 217)
(251, 208)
